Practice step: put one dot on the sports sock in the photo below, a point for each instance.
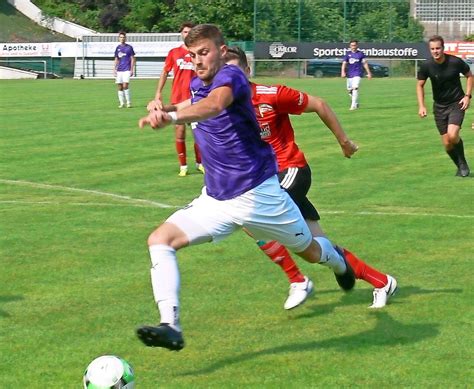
(165, 281)
(121, 97)
(197, 153)
(362, 271)
(329, 256)
(126, 92)
(355, 97)
(453, 155)
(459, 147)
(181, 150)
(280, 255)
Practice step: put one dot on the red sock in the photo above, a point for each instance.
(197, 153)
(365, 272)
(280, 255)
(181, 149)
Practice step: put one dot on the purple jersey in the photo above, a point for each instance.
(354, 63)
(236, 159)
(124, 53)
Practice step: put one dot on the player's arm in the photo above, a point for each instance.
(466, 100)
(329, 118)
(365, 64)
(132, 65)
(343, 69)
(219, 99)
(116, 62)
(157, 103)
(420, 95)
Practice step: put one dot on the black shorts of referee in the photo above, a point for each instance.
(446, 114)
(297, 181)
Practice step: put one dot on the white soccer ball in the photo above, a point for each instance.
(109, 371)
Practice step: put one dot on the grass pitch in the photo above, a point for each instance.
(81, 187)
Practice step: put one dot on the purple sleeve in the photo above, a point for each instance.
(234, 77)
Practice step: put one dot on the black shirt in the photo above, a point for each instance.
(445, 79)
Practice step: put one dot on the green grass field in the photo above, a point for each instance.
(81, 187)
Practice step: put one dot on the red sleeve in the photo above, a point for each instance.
(169, 61)
(290, 100)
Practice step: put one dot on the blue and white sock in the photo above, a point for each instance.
(329, 256)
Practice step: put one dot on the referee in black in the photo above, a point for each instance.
(450, 101)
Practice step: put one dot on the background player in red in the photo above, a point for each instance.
(179, 61)
(273, 105)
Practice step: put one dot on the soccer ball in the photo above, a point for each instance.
(109, 371)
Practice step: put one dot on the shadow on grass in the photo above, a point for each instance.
(7, 299)
(364, 296)
(387, 332)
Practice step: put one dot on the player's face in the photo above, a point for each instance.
(437, 50)
(122, 38)
(207, 58)
(185, 32)
(354, 46)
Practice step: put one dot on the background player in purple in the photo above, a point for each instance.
(123, 69)
(353, 65)
(242, 188)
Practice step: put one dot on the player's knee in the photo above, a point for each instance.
(312, 253)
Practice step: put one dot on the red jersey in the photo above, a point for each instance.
(272, 105)
(179, 60)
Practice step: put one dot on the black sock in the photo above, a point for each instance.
(459, 147)
(453, 155)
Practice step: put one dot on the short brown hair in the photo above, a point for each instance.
(186, 24)
(437, 38)
(204, 31)
(235, 52)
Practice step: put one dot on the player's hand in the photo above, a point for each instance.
(154, 104)
(464, 103)
(422, 112)
(369, 76)
(155, 119)
(349, 148)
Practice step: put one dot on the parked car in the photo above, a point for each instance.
(332, 68)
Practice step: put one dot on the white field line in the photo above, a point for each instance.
(89, 191)
(149, 203)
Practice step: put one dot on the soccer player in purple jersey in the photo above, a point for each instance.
(353, 64)
(123, 69)
(241, 184)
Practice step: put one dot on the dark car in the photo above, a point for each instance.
(332, 68)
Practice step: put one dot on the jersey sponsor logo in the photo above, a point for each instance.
(353, 60)
(264, 108)
(265, 131)
(184, 65)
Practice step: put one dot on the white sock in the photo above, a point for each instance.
(165, 282)
(329, 256)
(355, 97)
(121, 97)
(127, 96)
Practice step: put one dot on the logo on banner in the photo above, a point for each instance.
(278, 49)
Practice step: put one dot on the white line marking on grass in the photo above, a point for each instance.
(144, 203)
(376, 213)
(21, 202)
(96, 192)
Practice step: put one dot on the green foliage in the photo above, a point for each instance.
(287, 20)
(469, 38)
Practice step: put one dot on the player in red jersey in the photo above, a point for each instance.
(273, 105)
(179, 61)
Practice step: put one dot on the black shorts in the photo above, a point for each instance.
(445, 114)
(297, 181)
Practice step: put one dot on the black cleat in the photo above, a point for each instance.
(463, 170)
(347, 280)
(161, 336)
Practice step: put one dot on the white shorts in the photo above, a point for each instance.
(267, 211)
(123, 77)
(353, 83)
